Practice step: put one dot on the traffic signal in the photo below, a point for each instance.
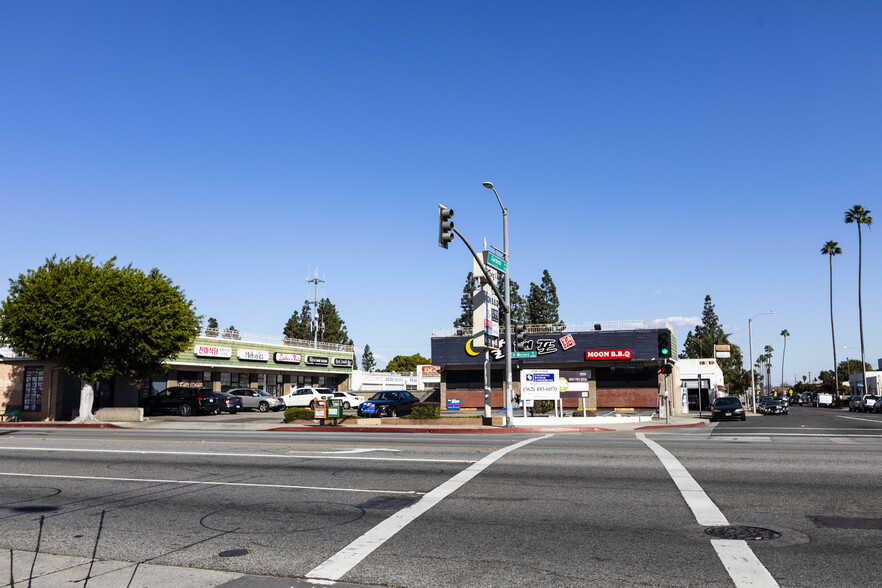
(445, 225)
(520, 332)
(664, 344)
(666, 368)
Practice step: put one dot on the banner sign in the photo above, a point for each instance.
(213, 351)
(252, 354)
(540, 384)
(287, 357)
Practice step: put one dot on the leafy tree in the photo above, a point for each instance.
(97, 321)
(860, 215)
(332, 328)
(300, 324)
(784, 333)
(700, 344)
(542, 302)
(830, 249)
(465, 303)
(519, 312)
(368, 363)
(405, 363)
(211, 329)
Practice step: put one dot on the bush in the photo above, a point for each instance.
(542, 406)
(298, 413)
(425, 410)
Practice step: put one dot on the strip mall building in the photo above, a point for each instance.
(225, 360)
(618, 360)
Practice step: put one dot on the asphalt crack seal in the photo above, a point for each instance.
(234, 553)
(743, 533)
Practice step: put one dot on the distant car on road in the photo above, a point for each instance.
(255, 398)
(727, 407)
(182, 400)
(774, 406)
(866, 403)
(390, 403)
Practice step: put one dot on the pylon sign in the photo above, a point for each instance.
(485, 311)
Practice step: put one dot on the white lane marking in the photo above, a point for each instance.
(863, 420)
(207, 483)
(363, 450)
(704, 509)
(745, 569)
(843, 440)
(348, 557)
(218, 454)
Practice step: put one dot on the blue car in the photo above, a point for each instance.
(390, 403)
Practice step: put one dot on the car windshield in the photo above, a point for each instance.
(727, 402)
(384, 396)
(263, 393)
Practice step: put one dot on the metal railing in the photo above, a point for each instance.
(234, 335)
(563, 327)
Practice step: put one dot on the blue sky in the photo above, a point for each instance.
(649, 153)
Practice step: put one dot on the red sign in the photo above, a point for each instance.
(567, 342)
(608, 354)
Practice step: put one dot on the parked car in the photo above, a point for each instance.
(229, 403)
(390, 403)
(853, 403)
(774, 406)
(256, 398)
(866, 403)
(181, 400)
(306, 396)
(727, 407)
(348, 399)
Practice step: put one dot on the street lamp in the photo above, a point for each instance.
(750, 340)
(509, 415)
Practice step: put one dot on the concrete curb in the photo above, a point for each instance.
(341, 429)
(64, 425)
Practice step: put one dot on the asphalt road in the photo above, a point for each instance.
(595, 509)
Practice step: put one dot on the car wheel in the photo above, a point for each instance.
(263, 407)
(312, 404)
(393, 413)
(744, 418)
(345, 406)
(713, 420)
(233, 411)
(185, 410)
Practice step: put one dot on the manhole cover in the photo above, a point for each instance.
(744, 533)
(234, 553)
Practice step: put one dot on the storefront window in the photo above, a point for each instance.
(191, 379)
(225, 381)
(33, 389)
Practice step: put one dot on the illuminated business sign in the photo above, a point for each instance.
(287, 357)
(252, 354)
(317, 360)
(601, 354)
(213, 351)
(342, 362)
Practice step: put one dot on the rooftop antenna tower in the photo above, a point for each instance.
(315, 304)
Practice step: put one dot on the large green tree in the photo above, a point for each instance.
(331, 328)
(700, 344)
(542, 302)
(405, 363)
(97, 320)
(861, 216)
(830, 249)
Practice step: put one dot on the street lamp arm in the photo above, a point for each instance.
(502, 301)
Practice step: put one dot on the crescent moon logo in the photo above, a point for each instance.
(469, 349)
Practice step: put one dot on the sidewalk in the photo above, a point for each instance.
(52, 571)
(274, 422)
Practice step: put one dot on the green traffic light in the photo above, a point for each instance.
(664, 351)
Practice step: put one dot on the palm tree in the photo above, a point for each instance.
(860, 215)
(832, 248)
(785, 333)
(769, 351)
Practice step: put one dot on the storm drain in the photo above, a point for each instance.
(742, 533)
(233, 553)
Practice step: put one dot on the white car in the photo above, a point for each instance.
(307, 396)
(348, 399)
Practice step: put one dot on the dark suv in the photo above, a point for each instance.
(182, 400)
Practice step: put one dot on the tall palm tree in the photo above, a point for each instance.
(860, 215)
(832, 248)
(769, 351)
(785, 333)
